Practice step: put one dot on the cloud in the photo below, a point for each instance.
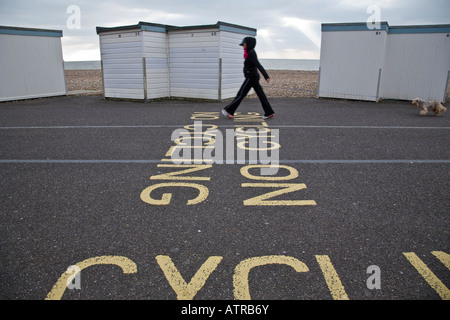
(266, 45)
(286, 28)
(79, 48)
(311, 29)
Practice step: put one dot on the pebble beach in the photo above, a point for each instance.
(283, 84)
(87, 81)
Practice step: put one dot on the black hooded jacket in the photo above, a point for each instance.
(251, 63)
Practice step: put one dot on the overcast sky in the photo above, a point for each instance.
(287, 29)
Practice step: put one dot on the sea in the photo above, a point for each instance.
(269, 64)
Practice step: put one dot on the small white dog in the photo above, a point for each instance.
(429, 106)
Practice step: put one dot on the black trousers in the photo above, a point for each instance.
(249, 83)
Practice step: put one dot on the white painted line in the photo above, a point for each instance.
(222, 126)
(294, 161)
(358, 127)
(90, 127)
(382, 161)
(77, 161)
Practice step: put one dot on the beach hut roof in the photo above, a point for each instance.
(150, 26)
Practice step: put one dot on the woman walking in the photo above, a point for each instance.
(251, 67)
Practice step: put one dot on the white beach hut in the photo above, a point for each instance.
(31, 63)
(398, 62)
(150, 61)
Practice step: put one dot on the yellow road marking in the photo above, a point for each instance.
(331, 278)
(240, 277)
(443, 257)
(176, 174)
(187, 291)
(286, 188)
(127, 265)
(428, 275)
(166, 197)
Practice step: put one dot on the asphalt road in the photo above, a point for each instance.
(361, 211)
